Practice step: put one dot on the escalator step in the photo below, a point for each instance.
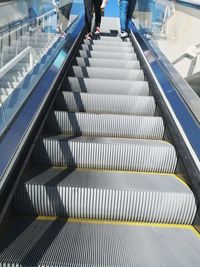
(114, 39)
(109, 104)
(106, 86)
(108, 43)
(35, 242)
(106, 63)
(110, 73)
(107, 125)
(113, 55)
(107, 48)
(155, 198)
(106, 153)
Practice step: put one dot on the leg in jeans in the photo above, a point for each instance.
(123, 11)
(97, 9)
(131, 8)
(88, 14)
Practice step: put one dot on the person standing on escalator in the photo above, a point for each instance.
(126, 9)
(89, 4)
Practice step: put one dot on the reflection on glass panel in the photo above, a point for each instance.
(174, 27)
(26, 41)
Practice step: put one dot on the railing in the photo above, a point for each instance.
(14, 40)
(39, 39)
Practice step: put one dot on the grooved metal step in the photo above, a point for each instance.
(31, 242)
(108, 43)
(112, 104)
(112, 55)
(103, 195)
(107, 48)
(6, 91)
(106, 153)
(106, 86)
(115, 38)
(108, 125)
(110, 73)
(106, 63)
(8, 84)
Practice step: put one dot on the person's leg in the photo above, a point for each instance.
(131, 8)
(88, 14)
(97, 10)
(123, 11)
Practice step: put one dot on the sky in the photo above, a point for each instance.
(111, 9)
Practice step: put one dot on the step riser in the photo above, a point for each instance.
(10, 85)
(121, 64)
(107, 156)
(114, 55)
(112, 87)
(109, 104)
(106, 49)
(104, 125)
(104, 204)
(118, 43)
(6, 91)
(114, 39)
(81, 72)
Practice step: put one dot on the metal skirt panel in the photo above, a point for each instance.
(141, 156)
(105, 204)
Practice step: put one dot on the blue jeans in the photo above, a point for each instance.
(126, 9)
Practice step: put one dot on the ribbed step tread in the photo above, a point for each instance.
(103, 195)
(106, 86)
(107, 125)
(106, 63)
(110, 73)
(106, 153)
(114, 55)
(115, 38)
(109, 104)
(31, 242)
(107, 48)
(108, 43)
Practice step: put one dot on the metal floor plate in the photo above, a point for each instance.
(58, 243)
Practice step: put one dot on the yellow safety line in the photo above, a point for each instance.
(128, 172)
(120, 223)
(195, 231)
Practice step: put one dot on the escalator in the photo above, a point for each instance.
(101, 187)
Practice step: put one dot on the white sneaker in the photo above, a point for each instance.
(123, 34)
(97, 31)
(104, 3)
(148, 35)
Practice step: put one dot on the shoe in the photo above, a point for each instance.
(58, 29)
(97, 31)
(104, 3)
(123, 34)
(63, 35)
(148, 35)
(88, 36)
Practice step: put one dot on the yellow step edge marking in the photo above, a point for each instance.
(121, 223)
(126, 172)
